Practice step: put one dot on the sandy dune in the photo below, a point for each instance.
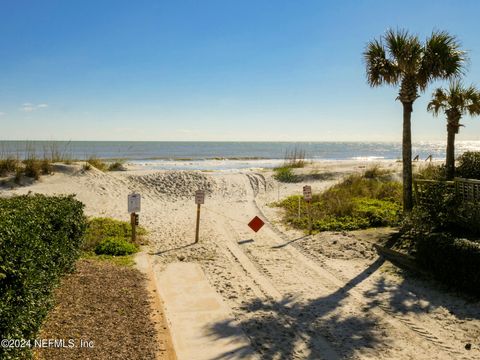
(294, 296)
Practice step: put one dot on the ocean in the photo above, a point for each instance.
(224, 155)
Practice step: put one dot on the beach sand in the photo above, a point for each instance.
(294, 296)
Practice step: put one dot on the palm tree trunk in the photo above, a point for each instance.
(450, 161)
(407, 157)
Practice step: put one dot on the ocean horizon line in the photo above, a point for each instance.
(224, 150)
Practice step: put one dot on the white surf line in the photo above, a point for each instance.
(398, 322)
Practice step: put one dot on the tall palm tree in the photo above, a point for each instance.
(454, 102)
(399, 58)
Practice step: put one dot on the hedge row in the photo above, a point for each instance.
(40, 238)
(453, 261)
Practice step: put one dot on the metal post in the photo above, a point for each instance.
(134, 229)
(197, 230)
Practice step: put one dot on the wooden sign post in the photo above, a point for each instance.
(307, 196)
(199, 200)
(134, 207)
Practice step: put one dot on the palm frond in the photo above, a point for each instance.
(379, 68)
(405, 49)
(442, 58)
(439, 102)
(457, 99)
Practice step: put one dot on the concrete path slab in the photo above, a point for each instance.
(201, 324)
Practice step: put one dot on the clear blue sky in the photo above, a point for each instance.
(212, 70)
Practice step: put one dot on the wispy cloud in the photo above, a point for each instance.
(1, 114)
(29, 107)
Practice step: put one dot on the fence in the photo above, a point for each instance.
(466, 189)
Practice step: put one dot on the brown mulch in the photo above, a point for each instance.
(112, 307)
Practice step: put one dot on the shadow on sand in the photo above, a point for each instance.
(275, 327)
(280, 325)
(289, 242)
(174, 249)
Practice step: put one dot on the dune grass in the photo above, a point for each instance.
(117, 165)
(8, 165)
(294, 158)
(360, 201)
(95, 162)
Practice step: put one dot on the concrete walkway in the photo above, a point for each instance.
(201, 324)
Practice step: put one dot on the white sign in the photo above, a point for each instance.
(307, 192)
(199, 197)
(134, 203)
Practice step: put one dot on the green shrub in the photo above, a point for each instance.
(115, 246)
(440, 210)
(452, 261)
(435, 211)
(469, 165)
(467, 218)
(377, 212)
(100, 229)
(40, 238)
(357, 202)
(285, 174)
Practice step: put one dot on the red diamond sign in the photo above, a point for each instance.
(256, 224)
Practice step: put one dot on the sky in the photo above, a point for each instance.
(224, 70)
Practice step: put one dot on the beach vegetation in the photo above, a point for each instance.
(357, 202)
(115, 246)
(57, 152)
(17, 179)
(110, 240)
(40, 239)
(8, 165)
(430, 172)
(32, 168)
(294, 158)
(285, 174)
(376, 171)
(452, 260)
(469, 165)
(117, 165)
(454, 102)
(46, 167)
(95, 162)
(401, 59)
(444, 230)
